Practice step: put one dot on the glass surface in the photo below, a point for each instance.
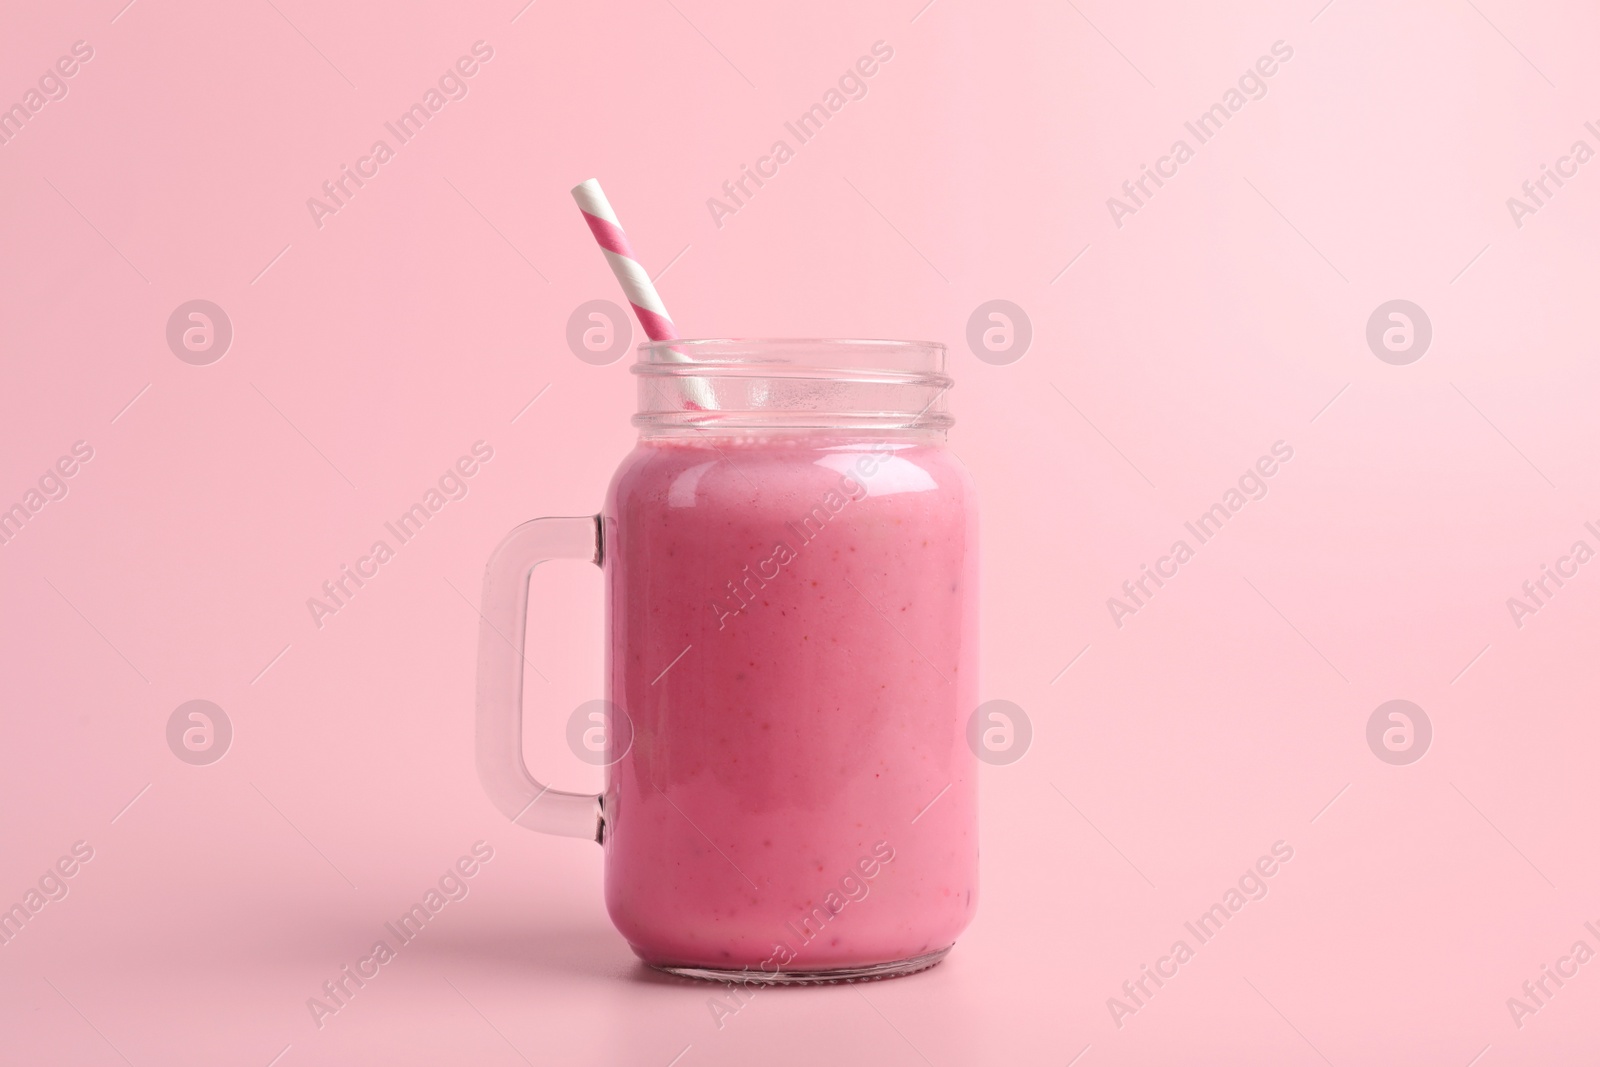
(792, 580)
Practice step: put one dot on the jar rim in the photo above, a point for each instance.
(742, 383)
(867, 355)
(883, 342)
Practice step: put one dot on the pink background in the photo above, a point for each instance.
(1228, 313)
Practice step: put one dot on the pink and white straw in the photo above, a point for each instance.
(636, 283)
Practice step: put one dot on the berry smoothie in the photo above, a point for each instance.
(793, 624)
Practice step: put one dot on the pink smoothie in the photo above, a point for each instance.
(794, 626)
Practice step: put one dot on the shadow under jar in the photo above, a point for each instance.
(791, 579)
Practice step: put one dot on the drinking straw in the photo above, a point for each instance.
(636, 285)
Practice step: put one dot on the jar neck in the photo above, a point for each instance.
(805, 387)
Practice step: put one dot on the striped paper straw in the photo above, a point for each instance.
(635, 282)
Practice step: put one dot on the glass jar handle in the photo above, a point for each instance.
(505, 777)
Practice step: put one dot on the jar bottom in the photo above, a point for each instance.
(868, 972)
